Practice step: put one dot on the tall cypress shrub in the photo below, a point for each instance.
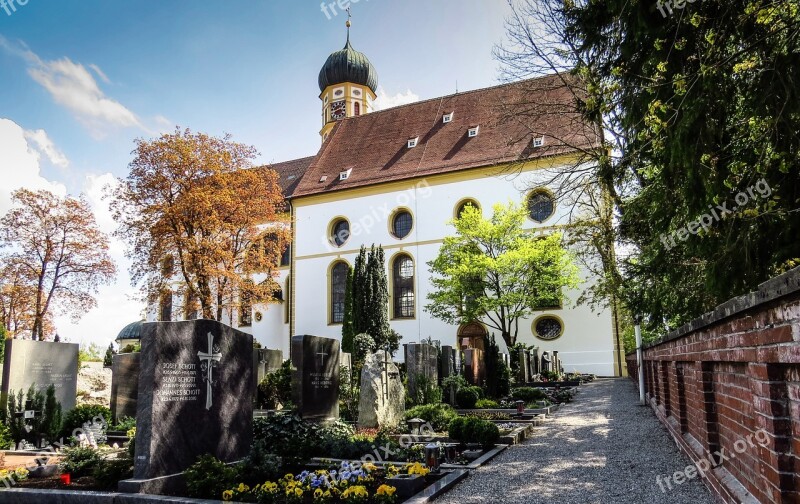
(347, 325)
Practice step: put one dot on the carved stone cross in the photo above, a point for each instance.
(210, 358)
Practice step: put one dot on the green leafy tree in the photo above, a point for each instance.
(348, 333)
(3, 336)
(494, 271)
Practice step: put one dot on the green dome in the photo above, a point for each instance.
(131, 331)
(348, 65)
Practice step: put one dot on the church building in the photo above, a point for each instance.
(395, 178)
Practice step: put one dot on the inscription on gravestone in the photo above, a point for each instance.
(315, 379)
(195, 390)
(42, 363)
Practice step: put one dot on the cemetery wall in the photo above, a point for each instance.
(731, 377)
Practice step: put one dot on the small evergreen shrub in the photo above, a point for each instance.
(528, 394)
(468, 397)
(487, 404)
(474, 430)
(75, 418)
(438, 415)
(80, 461)
(108, 472)
(209, 477)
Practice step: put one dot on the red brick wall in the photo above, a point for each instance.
(729, 382)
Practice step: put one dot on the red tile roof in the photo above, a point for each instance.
(375, 145)
(289, 173)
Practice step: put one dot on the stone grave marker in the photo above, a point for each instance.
(523, 373)
(383, 397)
(124, 384)
(265, 361)
(195, 397)
(556, 362)
(422, 359)
(474, 366)
(534, 362)
(448, 367)
(43, 363)
(315, 379)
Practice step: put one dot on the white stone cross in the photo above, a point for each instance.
(322, 356)
(209, 357)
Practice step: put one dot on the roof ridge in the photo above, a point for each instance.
(460, 93)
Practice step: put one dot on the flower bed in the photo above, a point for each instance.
(349, 483)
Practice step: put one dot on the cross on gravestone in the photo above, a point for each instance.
(210, 360)
(385, 382)
(322, 356)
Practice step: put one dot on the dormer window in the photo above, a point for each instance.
(447, 118)
(473, 131)
(412, 142)
(345, 174)
(323, 178)
(538, 142)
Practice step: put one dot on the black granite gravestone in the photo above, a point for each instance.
(195, 390)
(42, 363)
(124, 385)
(422, 361)
(265, 361)
(315, 379)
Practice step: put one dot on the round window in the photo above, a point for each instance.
(548, 328)
(463, 206)
(401, 224)
(340, 232)
(541, 206)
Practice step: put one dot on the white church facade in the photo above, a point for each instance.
(395, 178)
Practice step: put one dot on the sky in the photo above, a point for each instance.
(81, 80)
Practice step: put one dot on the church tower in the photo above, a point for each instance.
(347, 83)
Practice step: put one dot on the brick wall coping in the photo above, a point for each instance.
(771, 290)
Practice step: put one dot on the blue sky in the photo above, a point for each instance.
(80, 80)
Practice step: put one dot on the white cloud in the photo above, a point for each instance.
(73, 86)
(20, 164)
(100, 73)
(40, 138)
(384, 101)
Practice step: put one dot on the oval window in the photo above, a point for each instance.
(402, 224)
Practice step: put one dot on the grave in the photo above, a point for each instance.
(474, 367)
(315, 378)
(546, 362)
(448, 364)
(422, 360)
(265, 361)
(382, 400)
(534, 362)
(41, 363)
(523, 373)
(124, 384)
(195, 390)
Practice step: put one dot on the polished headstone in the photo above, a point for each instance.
(448, 367)
(43, 363)
(265, 361)
(315, 379)
(523, 373)
(535, 362)
(195, 390)
(124, 384)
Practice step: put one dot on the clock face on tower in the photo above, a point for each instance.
(338, 110)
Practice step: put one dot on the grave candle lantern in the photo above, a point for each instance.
(414, 425)
(432, 456)
(66, 479)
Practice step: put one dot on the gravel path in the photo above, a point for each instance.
(602, 448)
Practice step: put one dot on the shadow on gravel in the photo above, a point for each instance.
(603, 448)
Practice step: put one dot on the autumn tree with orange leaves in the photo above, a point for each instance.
(54, 259)
(194, 213)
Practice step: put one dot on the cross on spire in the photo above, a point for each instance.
(349, 22)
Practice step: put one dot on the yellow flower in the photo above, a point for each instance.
(298, 492)
(386, 490)
(227, 495)
(369, 466)
(243, 488)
